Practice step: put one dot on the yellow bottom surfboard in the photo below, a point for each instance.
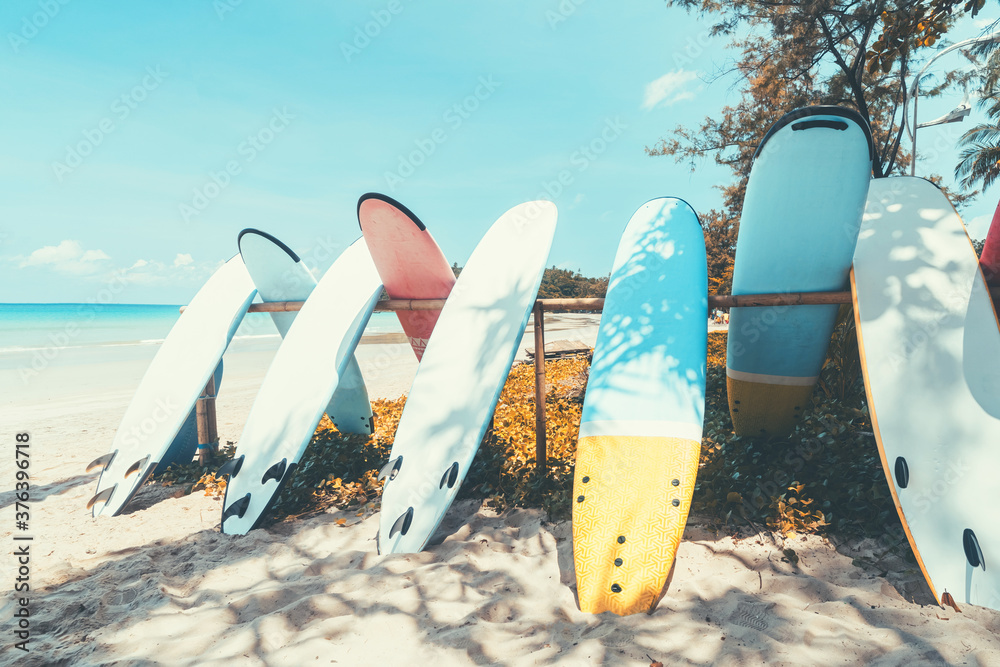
(640, 433)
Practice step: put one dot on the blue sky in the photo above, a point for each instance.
(137, 143)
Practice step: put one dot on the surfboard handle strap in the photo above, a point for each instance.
(102, 462)
(402, 523)
(104, 496)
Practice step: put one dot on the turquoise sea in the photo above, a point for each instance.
(38, 327)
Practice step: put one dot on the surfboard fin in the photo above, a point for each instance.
(390, 469)
(947, 599)
(973, 552)
(402, 523)
(275, 472)
(231, 467)
(104, 496)
(237, 509)
(450, 476)
(136, 467)
(102, 462)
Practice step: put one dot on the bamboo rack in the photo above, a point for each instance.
(208, 422)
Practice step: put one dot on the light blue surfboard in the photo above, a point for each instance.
(280, 275)
(799, 226)
(640, 432)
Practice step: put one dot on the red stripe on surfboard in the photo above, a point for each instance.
(990, 258)
(409, 262)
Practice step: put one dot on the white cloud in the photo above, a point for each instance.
(68, 257)
(139, 263)
(94, 256)
(669, 89)
(182, 259)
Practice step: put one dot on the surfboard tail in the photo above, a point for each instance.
(631, 498)
(764, 408)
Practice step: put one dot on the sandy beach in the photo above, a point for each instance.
(161, 586)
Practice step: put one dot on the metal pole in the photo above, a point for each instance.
(541, 460)
(994, 37)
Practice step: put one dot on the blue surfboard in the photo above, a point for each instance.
(798, 230)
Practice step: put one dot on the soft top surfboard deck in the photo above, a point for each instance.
(460, 377)
(298, 386)
(800, 221)
(409, 261)
(922, 312)
(280, 275)
(640, 432)
(172, 384)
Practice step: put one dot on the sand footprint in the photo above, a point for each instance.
(498, 612)
(121, 598)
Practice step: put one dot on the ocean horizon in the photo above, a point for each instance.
(37, 327)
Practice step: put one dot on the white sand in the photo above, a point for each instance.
(161, 586)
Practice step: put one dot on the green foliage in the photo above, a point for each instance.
(566, 284)
(794, 53)
(826, 476)
(720, 250)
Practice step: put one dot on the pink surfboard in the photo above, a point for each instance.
(408, 260)
(990, 259)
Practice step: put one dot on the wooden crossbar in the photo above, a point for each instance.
(207, 412)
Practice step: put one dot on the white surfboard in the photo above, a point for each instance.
(922, 310)
(175, 378)
(461, 374)
(280, 275)
(298, 386)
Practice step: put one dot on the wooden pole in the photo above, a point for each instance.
(541, 455)
(208, 430)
